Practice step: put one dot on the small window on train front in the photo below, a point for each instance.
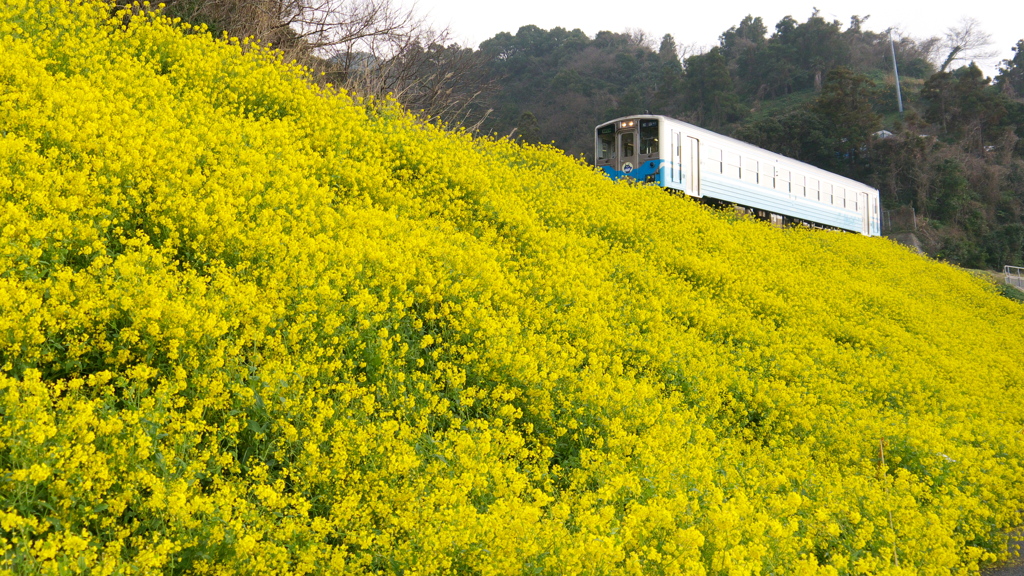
(606, 146)
(649, 137)
(628, 146)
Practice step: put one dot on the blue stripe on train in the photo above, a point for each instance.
(649, 171)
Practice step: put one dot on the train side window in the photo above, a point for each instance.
(606, 147)
(750, 169)
(628, 145)
(800, 185)
(712, 160)
(812, 189)
(732, 164)
(782, 181)
(649, 138)
(767, 177)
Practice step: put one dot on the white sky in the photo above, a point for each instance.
(702, 21)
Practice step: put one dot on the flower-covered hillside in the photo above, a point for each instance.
(249, 326)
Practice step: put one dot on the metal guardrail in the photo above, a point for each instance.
(902, 219)
(1014, 276)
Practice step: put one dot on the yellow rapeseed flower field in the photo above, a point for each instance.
(250, 326)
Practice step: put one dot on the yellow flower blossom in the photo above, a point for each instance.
(253, 326)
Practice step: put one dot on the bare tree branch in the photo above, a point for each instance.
(373, 48)
(965, 42)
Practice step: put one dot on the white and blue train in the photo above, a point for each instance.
(718, 169)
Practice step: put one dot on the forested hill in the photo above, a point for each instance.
(951, 170)
(816, 90)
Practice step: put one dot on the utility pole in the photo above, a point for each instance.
(896, 73)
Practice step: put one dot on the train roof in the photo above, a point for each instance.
(740, 144)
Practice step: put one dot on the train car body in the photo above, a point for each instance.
(712, 167)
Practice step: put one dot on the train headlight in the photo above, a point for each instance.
(627, 124)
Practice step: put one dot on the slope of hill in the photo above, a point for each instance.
(251, 326)
(810, 90)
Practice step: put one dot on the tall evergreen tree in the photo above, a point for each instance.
(528, 129)
(845, 104)
(963, 104)
(1011, 73)
(669, 87)
(708, 90)
(749, 33)
(813, 47)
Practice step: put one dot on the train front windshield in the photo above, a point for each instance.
(629, 148)
(649, 137)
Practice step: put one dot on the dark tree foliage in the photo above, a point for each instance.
(669, 84)
(798, 56)
(1011, 73)
(528, 129)
(614, 74)
(813, 48)
(800, 133)
(833, 131)
(708, 90)
(1003, 246)
(966, 186)
(952, 194)
(570, 82)
(912, 56)
(965, 106)
(748, 37)
(901, 169)
(810, 90)
(845, 106)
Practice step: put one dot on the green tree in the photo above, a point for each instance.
(708, 90)
(1005, 245)
(669, 87)
(845, 105)
(738, 39)
(528, 129)
(813, 47)
(901, 168)
(1011, 73)
(745, 48)
(965, 106)
(800, 133)
(951, 192)
(832, 132)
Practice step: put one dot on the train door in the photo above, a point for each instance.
(864, 209)
(693, 180)
(627, 151)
